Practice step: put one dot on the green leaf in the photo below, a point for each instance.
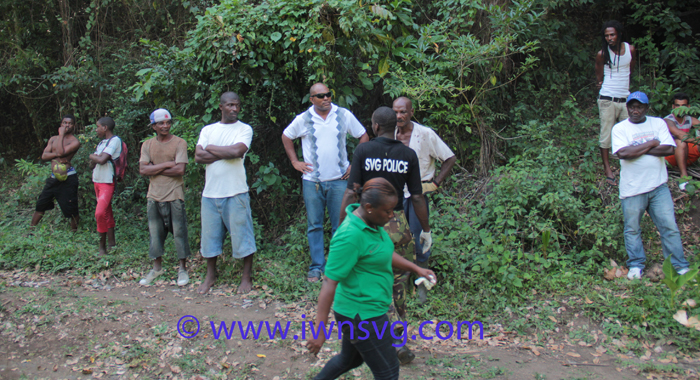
(380, 11)
(670, 275)
(384, 66)
(275, 36)
(684, 278)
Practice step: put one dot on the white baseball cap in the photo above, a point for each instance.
(160, 114)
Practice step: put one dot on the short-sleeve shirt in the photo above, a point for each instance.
(645, 173)
(323, 142)
(360, 260)
(428, 147)
(225, 178)
(389, 159)
(105, 173)
(163, 188)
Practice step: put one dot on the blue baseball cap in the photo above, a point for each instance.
(638, 96)
(160, 114)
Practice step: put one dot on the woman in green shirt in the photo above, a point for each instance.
(359, 278)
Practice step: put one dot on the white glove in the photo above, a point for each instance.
(427, 240)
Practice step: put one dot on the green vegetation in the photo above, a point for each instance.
(524, 228)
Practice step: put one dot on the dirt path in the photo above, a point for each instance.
(70, 327)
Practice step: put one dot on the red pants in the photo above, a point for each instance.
(693, 155)
(103, 213)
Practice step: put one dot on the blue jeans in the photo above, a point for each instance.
(377, 353)
(659, 204)
(416, 228)
(318, 197)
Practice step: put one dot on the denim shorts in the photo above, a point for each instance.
(230, 214)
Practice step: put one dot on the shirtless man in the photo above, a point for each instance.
(63, 183)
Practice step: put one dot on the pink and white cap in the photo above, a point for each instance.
(161, 114)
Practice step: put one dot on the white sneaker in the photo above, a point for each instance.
(683, 185)
(634, 273)
(182, 278)
(151, 276)
(683, 271)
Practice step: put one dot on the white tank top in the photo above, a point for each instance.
(616, 80)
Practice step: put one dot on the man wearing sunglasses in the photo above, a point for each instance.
(323, 130)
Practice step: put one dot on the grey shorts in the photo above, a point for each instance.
(164, 217)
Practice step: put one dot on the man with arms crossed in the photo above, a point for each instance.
(163, 159)
(388, 158)
(225, 202)
(63, 183)
(641, 142)
(679, 126)
(109, 149)
(323, 130)
(614, 64)
(428, 147)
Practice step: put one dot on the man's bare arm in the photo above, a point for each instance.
(70, 150)
(292, 155)
(599, 63)
(652, 147)
(201, 156)
(675, 132)
(149, 169)
(633, 52)
(48, 153)
(445, 169)
(348, 197)
(101, 158)
(176, 171)
(364, 138)
(227, 152)
(662, 151)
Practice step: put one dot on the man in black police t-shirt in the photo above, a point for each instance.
(390, 159)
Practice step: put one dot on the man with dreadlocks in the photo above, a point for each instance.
(613, 69)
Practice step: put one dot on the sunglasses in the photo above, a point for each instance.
(321, 96)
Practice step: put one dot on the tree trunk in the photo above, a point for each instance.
(67, 31)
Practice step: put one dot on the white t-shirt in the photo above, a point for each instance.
(104, 173)
(428, 147)
(645, 173)
(323, 142)
(225, 178)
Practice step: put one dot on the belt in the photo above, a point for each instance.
(616, 100)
